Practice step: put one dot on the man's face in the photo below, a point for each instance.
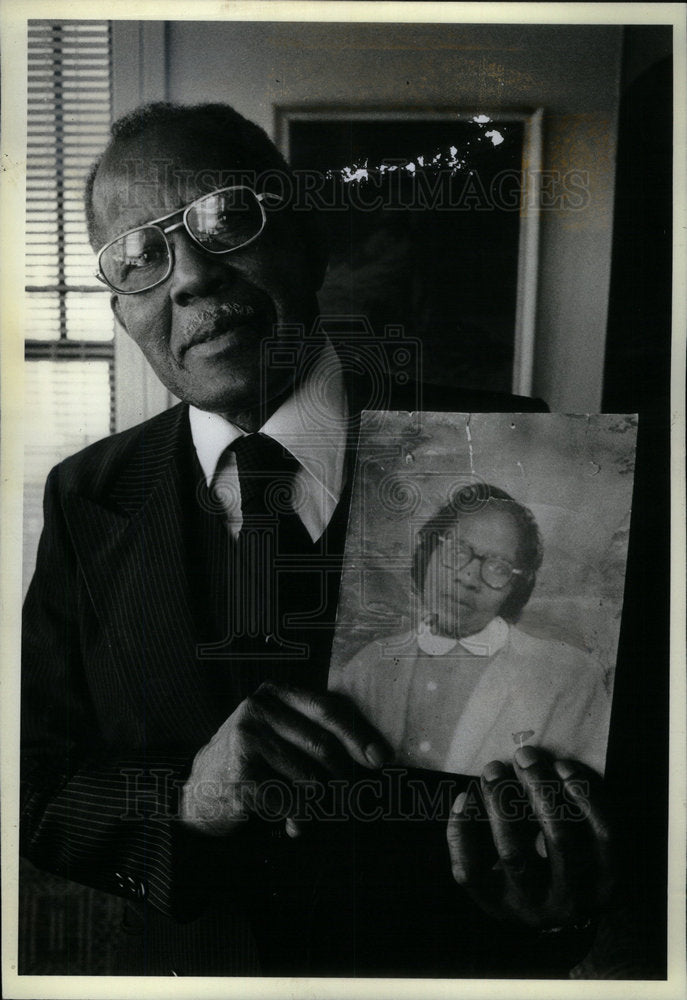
(202, 330)
(459, 598)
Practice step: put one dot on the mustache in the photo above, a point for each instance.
(209, 323)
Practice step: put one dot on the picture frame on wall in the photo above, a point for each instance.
(407, 197)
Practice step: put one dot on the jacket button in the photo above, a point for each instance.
(130, 885)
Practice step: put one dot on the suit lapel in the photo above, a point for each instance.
(131, 549)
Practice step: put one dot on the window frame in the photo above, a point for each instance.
(139, 75)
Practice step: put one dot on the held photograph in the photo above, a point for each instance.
(483, 584)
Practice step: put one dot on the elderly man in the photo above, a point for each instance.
(177, 629)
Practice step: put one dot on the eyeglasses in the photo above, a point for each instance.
(494, 571)
(219, 223)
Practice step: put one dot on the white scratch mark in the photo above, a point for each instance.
(495, 137)
(355, 173)
(522, 471)
(442, 159)
(481, 119)
(469, 437)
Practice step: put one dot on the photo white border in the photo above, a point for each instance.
(14, 15)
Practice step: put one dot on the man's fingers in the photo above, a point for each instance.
(562, 814)
(467, 834)
(550, 833)
(295, 728)
(504, 803)
(338, 716)
(272, 796)
(275, 797)
(582, 788)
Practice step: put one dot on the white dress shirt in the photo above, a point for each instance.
(311, 424)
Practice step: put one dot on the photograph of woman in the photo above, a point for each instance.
(483, 584)
(466, 685)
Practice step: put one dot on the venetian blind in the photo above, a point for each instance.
(69, 335)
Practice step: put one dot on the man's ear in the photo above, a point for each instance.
(114, 306)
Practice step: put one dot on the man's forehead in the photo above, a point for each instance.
(128, 191)
(136, 183)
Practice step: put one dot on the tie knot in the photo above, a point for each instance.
(260, 453)
(266, 471)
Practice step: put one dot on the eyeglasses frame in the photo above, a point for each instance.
(481, 559)
(155, 224)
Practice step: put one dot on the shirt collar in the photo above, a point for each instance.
(492, 638)
(311, 424)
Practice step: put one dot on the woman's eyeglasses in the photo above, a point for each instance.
(494, 571)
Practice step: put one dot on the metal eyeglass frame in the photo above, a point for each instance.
(155, 223)
(481, 559)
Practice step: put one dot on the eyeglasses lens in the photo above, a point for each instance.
(136, 260)
(225, 220)
(495, 572)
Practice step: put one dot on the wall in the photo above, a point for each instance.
(573, 72)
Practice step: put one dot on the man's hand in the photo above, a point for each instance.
(278, 737)
(535, 847)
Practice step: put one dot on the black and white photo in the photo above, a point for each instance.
(509, 601)
(338, 634)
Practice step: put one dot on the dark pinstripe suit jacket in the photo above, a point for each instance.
(115, 700)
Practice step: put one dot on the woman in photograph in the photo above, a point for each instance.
(467, 686)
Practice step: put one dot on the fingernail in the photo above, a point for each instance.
(292, 828)
(376, 754)
(457, 806)
(540, 846)
(526, 757)
(564, 769)
(493, 771)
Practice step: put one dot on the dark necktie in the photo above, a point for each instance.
(272, 541)
(269, 495)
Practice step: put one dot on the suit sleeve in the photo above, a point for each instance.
(105, 820)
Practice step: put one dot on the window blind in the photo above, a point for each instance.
(69, 114)
(69, 391)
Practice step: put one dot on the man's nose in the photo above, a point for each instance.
(195, 274)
